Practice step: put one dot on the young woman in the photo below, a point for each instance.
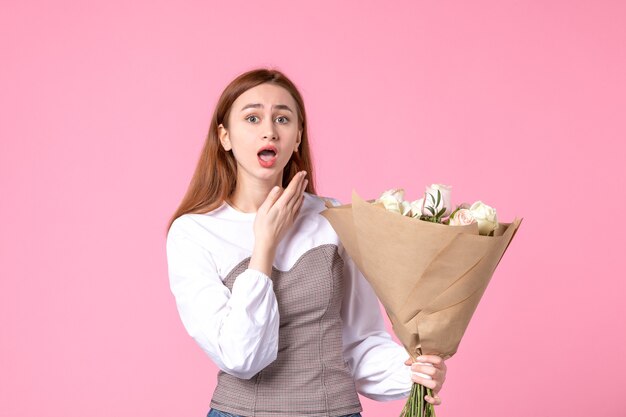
(262, 282)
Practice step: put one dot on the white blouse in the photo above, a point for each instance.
(238, 330)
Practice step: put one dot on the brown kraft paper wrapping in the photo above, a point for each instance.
(428, 276)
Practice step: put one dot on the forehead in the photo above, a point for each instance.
(265, 94)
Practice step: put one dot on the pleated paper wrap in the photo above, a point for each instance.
(428, 276)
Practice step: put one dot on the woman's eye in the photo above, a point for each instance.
(251, 117)
(285, 120)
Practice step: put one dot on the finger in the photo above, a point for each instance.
(296, 211)
(298, 200)
(408, 362)
(303, 188)
(436, 400)
(302, 184)
(428, 383)
(291, 189)
(298, 206)
(271, 198)
(305, 182)
(298, 195)
(434, 359)
(429, 370)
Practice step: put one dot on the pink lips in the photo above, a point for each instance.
(269, 148)
(269, 162)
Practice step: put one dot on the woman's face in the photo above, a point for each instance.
(262, 117)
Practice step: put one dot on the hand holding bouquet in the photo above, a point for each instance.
(428, 264)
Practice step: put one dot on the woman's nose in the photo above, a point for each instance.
(269, 129)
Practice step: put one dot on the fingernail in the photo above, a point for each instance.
(420, 358)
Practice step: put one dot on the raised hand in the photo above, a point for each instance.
(273, 218)
(278, 211)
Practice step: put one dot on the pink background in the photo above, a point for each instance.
(104, 107)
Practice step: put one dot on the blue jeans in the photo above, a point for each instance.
(217, 413)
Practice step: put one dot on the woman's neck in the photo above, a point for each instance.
(250, 194)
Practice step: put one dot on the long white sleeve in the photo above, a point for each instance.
(238, 330)
(376, 360)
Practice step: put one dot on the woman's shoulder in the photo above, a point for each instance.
(193, 221)
(195, 224)
(184, 225)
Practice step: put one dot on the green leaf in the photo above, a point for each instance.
(438, 198)
(443, 210)
(432, 210)
(454, 212)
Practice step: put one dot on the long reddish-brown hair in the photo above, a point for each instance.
(216, 173)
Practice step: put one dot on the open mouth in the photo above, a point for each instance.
(267, 155)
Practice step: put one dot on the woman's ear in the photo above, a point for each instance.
(222, 133)
(299, 140)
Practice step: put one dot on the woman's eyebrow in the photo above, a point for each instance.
(260, 106)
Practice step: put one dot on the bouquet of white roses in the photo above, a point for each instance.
(435, 207)
(429, 266)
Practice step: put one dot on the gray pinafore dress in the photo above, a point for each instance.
(309, 377)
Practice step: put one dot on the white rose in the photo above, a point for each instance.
(392, 200)
(431, 199)
(405, 207)
(485, 216)
(462, 217)
(416, 207)
(397, 193)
